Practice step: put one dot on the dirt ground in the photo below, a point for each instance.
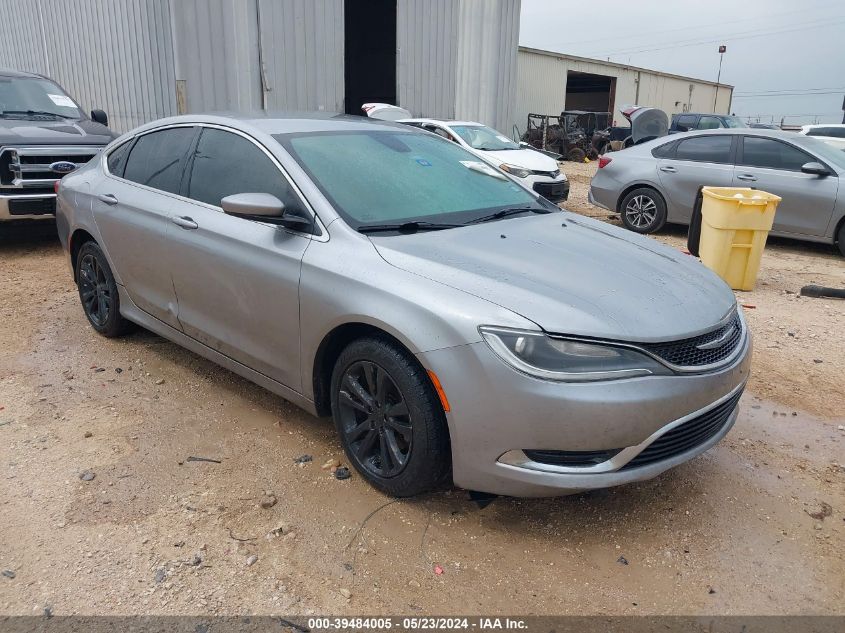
(102, 512)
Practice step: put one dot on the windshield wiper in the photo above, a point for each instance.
(36, 113)
(406, 227)
(507, 212)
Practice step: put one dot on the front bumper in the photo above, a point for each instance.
(27, 207)
(554, 190)
(497, 413)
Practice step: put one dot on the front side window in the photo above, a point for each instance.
(766, 152)
(225, 164)
(709, 123)
(387, 177)
(484, 138)
(710, 149)
(29, 97)
(158, 158)
(685, 121)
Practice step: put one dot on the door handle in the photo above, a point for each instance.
(669, 169)
(746, 177)
(108, 198)
(184, 221)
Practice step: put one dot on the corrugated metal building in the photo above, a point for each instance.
(144, 59)
(551, 82)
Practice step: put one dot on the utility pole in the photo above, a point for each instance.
(722, 50)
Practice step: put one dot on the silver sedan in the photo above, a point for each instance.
(658, 181)
(452, 322)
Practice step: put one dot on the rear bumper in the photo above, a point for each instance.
(27, 207)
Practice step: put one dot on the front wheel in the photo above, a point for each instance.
(643, 210)
(841, 239)
(389, 418)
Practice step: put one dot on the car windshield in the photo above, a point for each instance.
(26, 97)
(388, 178)
(484, 138)
(828, 153)
(734, 121)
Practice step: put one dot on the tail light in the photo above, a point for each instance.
(56, 185)
(604, 161)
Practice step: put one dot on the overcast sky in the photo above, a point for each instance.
(774, 46)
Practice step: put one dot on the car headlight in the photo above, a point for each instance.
(541, 356)
(515, 170)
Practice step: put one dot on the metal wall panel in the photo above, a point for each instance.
(117, 56)
(302, 44)
(427, 43)
(488, 36)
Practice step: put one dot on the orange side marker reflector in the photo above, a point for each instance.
(439, 389)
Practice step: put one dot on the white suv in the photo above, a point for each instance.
(830, 133)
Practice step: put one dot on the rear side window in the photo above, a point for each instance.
(709, 149)
(157, 159)
(225, 164)
(117, 159)
(685, 121)
(766, 152)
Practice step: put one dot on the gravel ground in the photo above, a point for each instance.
(102, 512)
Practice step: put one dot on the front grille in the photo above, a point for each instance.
(688, 352)
(550, 174)
(554, 191)
(29, 167)
(688, 435)
(32, 206)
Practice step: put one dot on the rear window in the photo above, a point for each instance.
(665, 150)
(117, 158)
(709, 149)
(379, 177)
(157, 158)
(835, 132)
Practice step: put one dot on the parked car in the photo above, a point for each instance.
(535, 169)
(658, 181)
(448, 319)
(43, 136)
(688, 121)
(764, 126)
(830, 133)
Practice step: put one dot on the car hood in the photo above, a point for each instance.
(527, 158)
(570, 275)
(63, 132)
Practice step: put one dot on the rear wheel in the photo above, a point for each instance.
(98, 292)
(390, 421)
(643, 210)
(841, 239)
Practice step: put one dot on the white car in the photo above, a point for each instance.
(539, 171)
(830, 133)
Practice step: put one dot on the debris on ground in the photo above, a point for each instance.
(438, 570)
(345, 593)
(710, 590)
(268, 501)
(302, 459)
(824, 511)
(203, 459)
(160, 381)
(251, 560)
(342, 473)
(282, 530)
(87, 475)
(196, 561)
(160, 575)
(622, 560)
(88, 434)
(331, 464)
(8, 573)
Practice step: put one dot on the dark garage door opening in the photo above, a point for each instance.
(594, 93)
(370, 56)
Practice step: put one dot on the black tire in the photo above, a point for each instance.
(98, 292)
(389, 419)
(576, 155)
(643, 210)
(694, 231)
(840, 240)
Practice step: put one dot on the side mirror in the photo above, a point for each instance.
(815, 168)
(98, 116)
(253, 206)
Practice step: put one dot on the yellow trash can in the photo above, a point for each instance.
(735, 222)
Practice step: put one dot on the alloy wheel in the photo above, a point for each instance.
(375, 419)
(641, 211)
(94, 290)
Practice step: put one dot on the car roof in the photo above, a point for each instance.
(282, 122)
(8, 72)
(440, 121)
(755, 131)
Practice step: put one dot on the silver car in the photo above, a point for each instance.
(450, 320)
(658, 181)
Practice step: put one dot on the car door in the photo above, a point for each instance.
(236, 279)
(774, 165)
(696, 161)
(132, 210)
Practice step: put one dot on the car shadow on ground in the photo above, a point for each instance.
(27, 234)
